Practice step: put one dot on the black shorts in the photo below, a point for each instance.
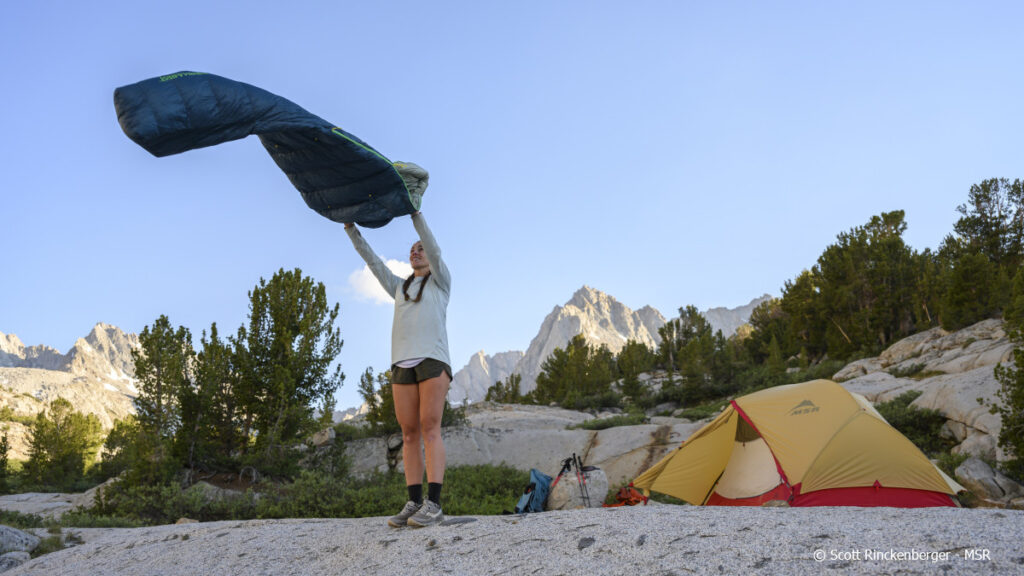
(425, 370)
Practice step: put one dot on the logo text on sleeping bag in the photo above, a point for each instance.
(180, 75)
(805, 407)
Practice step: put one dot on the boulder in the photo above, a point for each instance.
(664, 408)
(13, 560)
(513, 416)
(624, 452)
(910, 348)
(209, 493)
(323, 438)
(525, 437)
(986, 483)
(568, 493)
(521, 449)
(856, 369)
(957, 398)
(979, 445)
(878, 386)
(14, 540)
(981, 344)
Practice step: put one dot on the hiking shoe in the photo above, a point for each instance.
(399, 520)
(428, 515)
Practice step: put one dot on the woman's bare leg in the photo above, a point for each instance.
(407, 410)
(431, 406)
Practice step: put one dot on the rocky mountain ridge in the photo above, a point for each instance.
(96, 376)
(596, 315)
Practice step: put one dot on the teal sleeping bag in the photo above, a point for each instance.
(338, 175)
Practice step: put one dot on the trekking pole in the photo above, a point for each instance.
(583, 477)
(566, 466)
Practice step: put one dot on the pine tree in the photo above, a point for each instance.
(1011, 380)
(969, 296)
(162, 367)
(5, 447)
(506, 392)
(290, 343)
(209, 432)
(64, 444)
(634, 359)
(380, 402)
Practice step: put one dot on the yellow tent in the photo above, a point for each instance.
(812, 444)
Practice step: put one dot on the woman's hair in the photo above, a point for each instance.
(408, 281)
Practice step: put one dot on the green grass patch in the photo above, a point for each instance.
(705, 410)
(907, 371)
(628, 419)
(49, 544)
(468, 490)
(21, 521)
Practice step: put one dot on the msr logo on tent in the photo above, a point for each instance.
(805, 407)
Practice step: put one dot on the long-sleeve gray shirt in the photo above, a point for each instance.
(419, 329)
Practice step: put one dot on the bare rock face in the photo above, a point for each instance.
(480, 373)
(596, 315)
(96, 376)
(992, 486)
(526, 437)
(104, 354)
(588, 490)
(728, 320)
(954, 372)
(14, 540)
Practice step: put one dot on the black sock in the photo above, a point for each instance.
(416, 493)
(434, 492)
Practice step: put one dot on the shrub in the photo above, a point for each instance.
(906, 372)
(706, 410)
(469, 490)
(920, 426)
(20, 520)
(949, 462)
(628, 419)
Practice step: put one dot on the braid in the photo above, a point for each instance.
(408, 282)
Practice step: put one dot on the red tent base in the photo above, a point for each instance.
(871, 496)
(866, 496)
(780, 492)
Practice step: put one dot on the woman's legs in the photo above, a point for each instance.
(407, 410)
(432, 393)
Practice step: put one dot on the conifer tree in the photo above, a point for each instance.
(1011, 380)
(5, 447)
(290, 343)
(64, 444)
(162, 367)
(970, 292)
(507, 391)
(209, 431)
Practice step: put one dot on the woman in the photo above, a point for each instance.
(421, 368)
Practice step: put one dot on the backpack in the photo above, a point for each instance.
(535, 494)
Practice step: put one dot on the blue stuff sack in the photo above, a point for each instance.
(536, 493)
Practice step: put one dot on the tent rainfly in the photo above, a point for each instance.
(811, 444)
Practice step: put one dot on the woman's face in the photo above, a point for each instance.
(417, 258)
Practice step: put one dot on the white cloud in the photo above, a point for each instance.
(367, 287)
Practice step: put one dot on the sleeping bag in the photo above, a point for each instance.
(338, 175)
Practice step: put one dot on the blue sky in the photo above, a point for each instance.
(668, 153)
